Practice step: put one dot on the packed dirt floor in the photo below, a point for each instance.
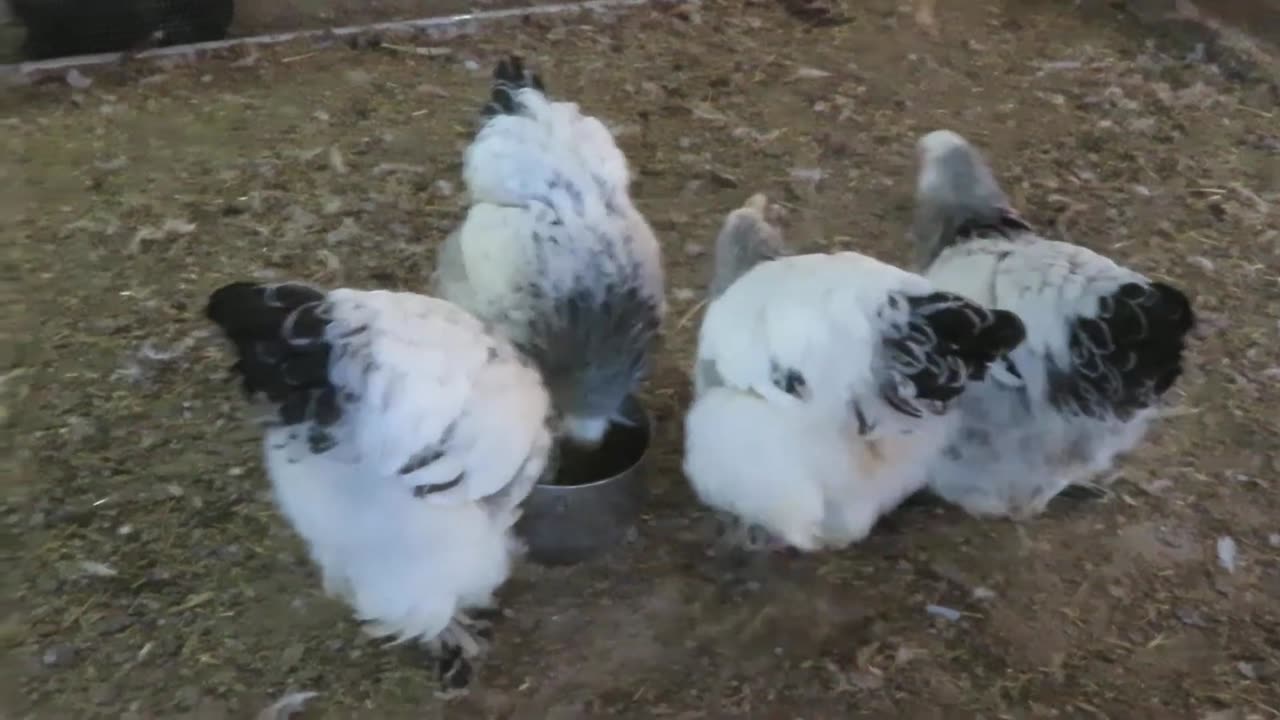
(147, 574)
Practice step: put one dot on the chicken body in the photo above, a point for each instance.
(1104, 343)
(400, 441)
(554, 253)
(824, 383)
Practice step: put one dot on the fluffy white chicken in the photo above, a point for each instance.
(400, 440)
(823, 385)
(554, 254)
(1103, 342)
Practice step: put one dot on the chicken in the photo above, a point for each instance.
(554, 254)
(1104, 343)
(400, 439)
(823, 384)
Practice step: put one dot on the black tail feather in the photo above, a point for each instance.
(509, 77)
(1128, 355)
(281, 352)
(949, 341)
(1180, 319)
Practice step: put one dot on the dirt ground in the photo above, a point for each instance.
(147, 574)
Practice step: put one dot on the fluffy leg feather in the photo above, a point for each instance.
(454, 650)
(743, 555)
(735, 533)
(464, 632)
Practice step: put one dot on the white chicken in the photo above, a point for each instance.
(1103, 342)
(554, 253)
(823, 385)
(400, 440)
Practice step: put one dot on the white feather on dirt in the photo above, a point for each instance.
(97, 569)
(944, 612)
(287, 706)
(1227, 553)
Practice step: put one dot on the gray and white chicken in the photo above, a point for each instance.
(1104, 343)
(553, 252)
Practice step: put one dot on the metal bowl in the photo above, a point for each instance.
(593, 498)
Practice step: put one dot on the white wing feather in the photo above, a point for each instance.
(812, 313)
(429, 379)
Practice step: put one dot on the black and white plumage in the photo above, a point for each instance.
(823, 384)
(554, 253)
(1104, 343)
(400, 439)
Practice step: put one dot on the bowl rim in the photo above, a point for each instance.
(648, 446)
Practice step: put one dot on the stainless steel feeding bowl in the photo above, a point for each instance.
(591, 498)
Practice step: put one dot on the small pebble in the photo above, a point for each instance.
(1227, 553)
(940, 611)
(287, 706)
(292, 655)
(809, 175)
(104, 694)
(97, 569)
(77, 79)
(808, 73)
(187, 696)
(58, 656)
(114, 625)
(1190, 617)
(1201, 262)
(1156, 487)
